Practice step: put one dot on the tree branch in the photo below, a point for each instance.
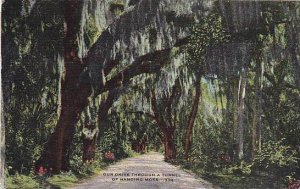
(149, 63)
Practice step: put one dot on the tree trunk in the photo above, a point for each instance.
(136, 146)
(167, 130)
(256, 125)
(293, 47)
(89, 149)
(295, 61)
(143, 146)
(241, 114)
(73, 98)
(2, 141)
(192, 117)
(89, 142)
(229, 115)
(235, 103)
(169, 144)
(56, 152)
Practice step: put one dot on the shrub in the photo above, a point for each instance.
(242, 169)
(85, 169)
(21, 181)
(130, 152)
(88, 168)
(277, 158)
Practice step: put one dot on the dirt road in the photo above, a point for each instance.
(148, 171)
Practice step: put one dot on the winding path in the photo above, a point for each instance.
(147, 171)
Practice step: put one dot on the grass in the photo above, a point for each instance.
(227, 180)
(21, 181)
(69, 179)
(244, 182)
(63, 180)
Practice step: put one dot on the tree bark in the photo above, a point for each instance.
(167, 129)
(2, 139)
(89, 150)
(192, 117)
(56, 153)
(241, 114)
(293, 49)
(257, 110)
(73, 100)
(170, 150)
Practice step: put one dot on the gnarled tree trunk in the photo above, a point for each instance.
(56, 152)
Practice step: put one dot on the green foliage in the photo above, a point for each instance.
(130, 152)
(275, 157)
(30, 76)
(282, 100)
(21, 181)
(208, 33)
(208, 133)
(84, 169)
(242, 169)
(230, 181)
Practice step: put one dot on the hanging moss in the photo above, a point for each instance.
(117, 7)
(133, 2)
(180, 20)
(152, 35)
(91, 31)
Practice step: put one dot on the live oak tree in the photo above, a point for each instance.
(109, 50)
